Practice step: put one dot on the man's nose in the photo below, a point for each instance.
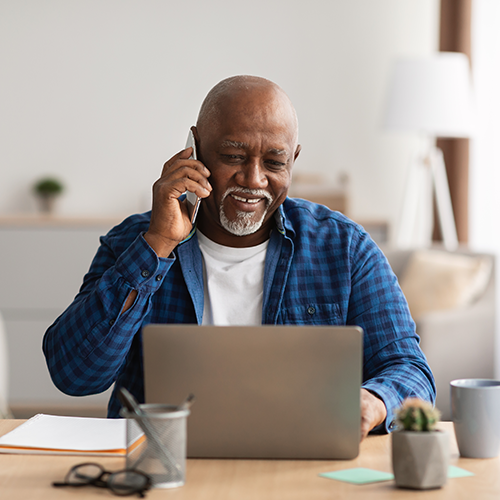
(252, 175)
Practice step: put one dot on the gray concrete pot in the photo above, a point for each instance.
(420, 459)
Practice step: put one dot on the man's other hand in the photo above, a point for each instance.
(373, 412)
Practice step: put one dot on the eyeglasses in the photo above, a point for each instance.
(124, 482)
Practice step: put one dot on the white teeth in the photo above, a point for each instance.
(245, 200)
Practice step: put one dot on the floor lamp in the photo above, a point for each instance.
(431, 96)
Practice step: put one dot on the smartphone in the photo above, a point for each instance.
(193, 201)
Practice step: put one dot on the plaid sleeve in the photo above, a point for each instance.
(394, 365)
(87, 345)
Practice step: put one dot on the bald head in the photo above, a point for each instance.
(253, 94)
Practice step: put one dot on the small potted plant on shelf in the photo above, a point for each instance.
(420, 452)
(47, 190)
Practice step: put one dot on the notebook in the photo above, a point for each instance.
(55, 435)
(261, 392)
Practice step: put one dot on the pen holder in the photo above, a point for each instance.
(161, 451)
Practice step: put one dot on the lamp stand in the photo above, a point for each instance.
(427, 176)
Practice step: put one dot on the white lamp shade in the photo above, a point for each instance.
(432, 95)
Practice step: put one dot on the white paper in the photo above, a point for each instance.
(55, 434)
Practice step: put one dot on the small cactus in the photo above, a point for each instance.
(417, 415)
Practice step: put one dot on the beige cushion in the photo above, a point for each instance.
(436, 280)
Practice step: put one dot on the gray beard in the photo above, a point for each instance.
(244, 224)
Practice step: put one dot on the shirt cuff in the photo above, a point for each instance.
(391, 401)
(141, 268)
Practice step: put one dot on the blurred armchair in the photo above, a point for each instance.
(452, 299)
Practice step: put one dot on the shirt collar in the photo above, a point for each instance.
(283, 223)
(279, 218)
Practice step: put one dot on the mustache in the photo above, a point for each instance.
(262, 193)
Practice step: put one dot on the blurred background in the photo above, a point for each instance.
(102, 93)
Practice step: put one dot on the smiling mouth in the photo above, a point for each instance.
(245, 200)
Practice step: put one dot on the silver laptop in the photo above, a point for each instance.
(261, 392)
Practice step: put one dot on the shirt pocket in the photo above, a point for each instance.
(312, 314)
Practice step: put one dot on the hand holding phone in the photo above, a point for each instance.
(171, 221)
(193, 201)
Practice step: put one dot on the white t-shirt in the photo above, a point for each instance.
(234, 283)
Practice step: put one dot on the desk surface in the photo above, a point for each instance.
(30, 477)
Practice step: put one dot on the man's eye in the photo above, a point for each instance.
(232, 158)
(275, 165)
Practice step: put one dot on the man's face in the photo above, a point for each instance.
(250, 151)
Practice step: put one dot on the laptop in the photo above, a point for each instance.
(284, 392)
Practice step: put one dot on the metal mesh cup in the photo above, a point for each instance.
(161, 452)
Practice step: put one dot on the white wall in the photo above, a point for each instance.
(485, 153)
(102, 92)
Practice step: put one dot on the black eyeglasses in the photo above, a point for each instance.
(124, 482)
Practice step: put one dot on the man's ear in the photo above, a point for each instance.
(297, 152)
(197, 142)
(195, 133)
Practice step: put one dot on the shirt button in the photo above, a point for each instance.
(145, 273)
(111, 322)
(159, 277)
(311, 310)
(392, 425)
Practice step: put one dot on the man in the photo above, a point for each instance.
(254, 256)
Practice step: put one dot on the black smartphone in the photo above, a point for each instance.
(193, 201)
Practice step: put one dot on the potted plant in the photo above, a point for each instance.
(47, 190)
(420, 452)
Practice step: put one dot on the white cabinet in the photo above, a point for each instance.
(42, 263)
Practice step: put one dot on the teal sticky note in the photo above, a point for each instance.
(454, 471)
(358, 475)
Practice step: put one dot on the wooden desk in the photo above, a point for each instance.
(25, 477)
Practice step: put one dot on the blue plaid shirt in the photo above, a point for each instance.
(321, 269)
